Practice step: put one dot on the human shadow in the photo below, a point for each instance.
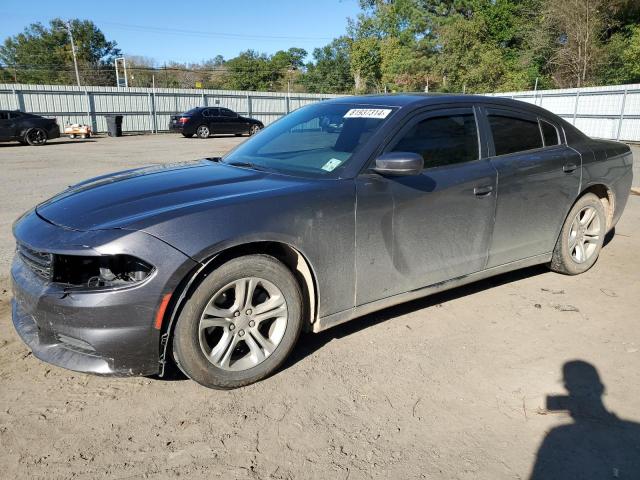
(598, 444)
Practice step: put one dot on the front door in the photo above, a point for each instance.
(539, 179)
(7, 126)
(420, 230)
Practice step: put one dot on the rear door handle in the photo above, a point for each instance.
(483, 191)
(569, 168)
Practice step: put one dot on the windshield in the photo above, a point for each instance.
(314, 140)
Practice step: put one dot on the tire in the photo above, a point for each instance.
(203, 131)
(581, 237)
(241, 361)
(35, 137)
(254, 129)
(187, 135)
(72, 136)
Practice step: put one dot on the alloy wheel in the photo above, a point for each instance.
(203, 131)
(36, 136)
(243, 323)
(584, 235)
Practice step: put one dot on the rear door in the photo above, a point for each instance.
(538, 180)
(231, 121)
(419, 230)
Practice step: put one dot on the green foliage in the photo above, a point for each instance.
(330, 71)
(391, 45)
(45, 51)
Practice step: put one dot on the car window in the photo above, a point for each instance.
(442, 140)
(205, 112)
(214, 112)
(225, 112)
(513, 134)
(301, 144)
(549, 134)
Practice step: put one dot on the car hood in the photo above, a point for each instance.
(135, 198)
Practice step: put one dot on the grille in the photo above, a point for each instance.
(40, 262)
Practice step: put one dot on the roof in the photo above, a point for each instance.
(404, 99)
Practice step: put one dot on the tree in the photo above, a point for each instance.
(575, 29)
(43, 54)
(330, 71)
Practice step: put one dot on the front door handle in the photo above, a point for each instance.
(483, 191)
(569, 167)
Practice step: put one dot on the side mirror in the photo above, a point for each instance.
(397, 164)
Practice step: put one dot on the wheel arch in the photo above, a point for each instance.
(606, 196)
(290, 256)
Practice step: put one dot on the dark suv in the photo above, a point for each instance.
(205, 121)
(26, 128)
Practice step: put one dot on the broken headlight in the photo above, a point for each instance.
(106, 271)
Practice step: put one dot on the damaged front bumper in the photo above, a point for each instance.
(104, 331)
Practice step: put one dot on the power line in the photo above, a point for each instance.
(200, 33)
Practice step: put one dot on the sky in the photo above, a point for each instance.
(194, 31)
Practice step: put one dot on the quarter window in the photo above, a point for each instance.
(512, 134)
(549, 133)
(443, 140)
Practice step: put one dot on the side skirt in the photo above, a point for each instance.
(332, 320)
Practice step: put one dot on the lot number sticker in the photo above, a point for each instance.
(368, 113)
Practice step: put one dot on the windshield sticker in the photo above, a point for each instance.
(368, 113)
(331, 165)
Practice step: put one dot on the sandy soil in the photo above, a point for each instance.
(453, 386)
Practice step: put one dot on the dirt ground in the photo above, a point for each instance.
(453, 386)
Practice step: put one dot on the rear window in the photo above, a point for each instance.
(549, 133)
(513, 134)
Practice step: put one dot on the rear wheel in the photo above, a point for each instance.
(240, 324)
(35, 136)
(581, 238)
(203, 131)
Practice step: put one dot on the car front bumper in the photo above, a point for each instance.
(105, 332)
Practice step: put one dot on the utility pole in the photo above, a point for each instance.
(73, 50)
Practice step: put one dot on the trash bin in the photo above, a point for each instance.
(114, 125)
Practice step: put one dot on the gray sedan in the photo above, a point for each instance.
(218, 265)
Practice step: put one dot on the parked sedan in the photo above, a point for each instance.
(219, 264)
(206, 121)
(26, 128)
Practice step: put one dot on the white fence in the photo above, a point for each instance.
(144, 109)
(611, 112)
(605, 112)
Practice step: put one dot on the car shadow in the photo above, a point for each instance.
(311, 342)
(49, 143)
(597, 444)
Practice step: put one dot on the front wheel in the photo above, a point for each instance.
(203, 131)
(35, 136)
(581, 238)
(254, 129)
(240, 324)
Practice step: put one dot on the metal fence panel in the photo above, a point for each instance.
(144, 109)
(606, 112)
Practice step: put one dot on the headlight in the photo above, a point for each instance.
(100, 272)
